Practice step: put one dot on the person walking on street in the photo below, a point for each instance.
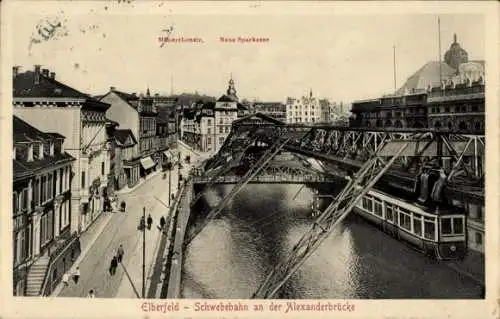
(162, 222)
(113, 266)
(91, 294)
(119, 253)
(150, 221)
(76, 275)
(65, 279)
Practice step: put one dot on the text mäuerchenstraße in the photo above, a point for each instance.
(238, 306)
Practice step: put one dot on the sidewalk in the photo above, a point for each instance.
(87, 240)
(472, 266)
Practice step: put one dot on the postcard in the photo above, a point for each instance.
(250, 159)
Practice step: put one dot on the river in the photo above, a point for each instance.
(234, 253)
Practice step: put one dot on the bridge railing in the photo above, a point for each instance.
(268, 178)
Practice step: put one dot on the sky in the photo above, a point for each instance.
(337, 56)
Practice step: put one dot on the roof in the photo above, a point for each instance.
(24, 87)
(121, 136)
(427, 75)
(226, 98)
(24, 132)
(242, 107)
(258, 117)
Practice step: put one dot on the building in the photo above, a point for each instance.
(52, 106)
(41, 209)
(125, 153)
(276, 110)
(447, 94)
(138, 114)
(303, 110)
(206, 125)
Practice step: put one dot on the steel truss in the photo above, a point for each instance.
(249, 175)
(355, 189)
(456, 153)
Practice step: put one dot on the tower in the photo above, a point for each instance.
(455, 55)
(231, 90)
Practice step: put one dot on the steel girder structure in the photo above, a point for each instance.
(356, 188)
(251, 173)
(464, 153)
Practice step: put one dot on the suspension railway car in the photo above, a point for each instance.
(439, 233)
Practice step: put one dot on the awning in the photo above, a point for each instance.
(168, 155)
(147, 162)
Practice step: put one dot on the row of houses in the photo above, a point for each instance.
(71, 152)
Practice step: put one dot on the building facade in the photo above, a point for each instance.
(52, 106)
(138, 114)
(125, 152)
(276, 110)
(303, 110)
(41, 206)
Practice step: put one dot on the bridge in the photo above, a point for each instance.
(401, 159)
(283, 169)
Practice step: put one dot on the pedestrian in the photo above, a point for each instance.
(65, 279)
(142, 223)
(150, 221)
(113, 266)
(91, 294)
(76, 275)
(162, 222)
(119, 253)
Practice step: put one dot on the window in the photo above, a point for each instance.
(367, 203)
(404, 219)
(221, 140)
(221, 129)
(209, 140)
(44, 189)
(20, 246)
(479, 238)
(458, 225)
(209, 122)
(389, 213)
(102, 168)
(209, 130)
(378, 207)
(417, 224)
(221, 121)
(429, 228)
(83, 179)
(227, 129)
(446, 226)
(15, 203)
(50, 187)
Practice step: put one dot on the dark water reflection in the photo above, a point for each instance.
(235, 252)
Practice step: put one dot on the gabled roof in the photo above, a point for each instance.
(24, 86)
(258, 117)
(121, 136)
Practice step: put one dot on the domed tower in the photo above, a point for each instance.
(456, 55)
(231, 91)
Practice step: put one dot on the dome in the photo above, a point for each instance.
(455, 55)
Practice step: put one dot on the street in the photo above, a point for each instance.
(123, 229)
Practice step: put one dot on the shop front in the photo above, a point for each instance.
(148, 165)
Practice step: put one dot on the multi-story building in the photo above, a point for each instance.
(52, 106)
(276, 110)
(447, 94)
(138, 114)
(205, 126)
(41, 208)
(125, 153)
(303, 110)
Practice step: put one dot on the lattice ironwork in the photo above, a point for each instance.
(355, 189)
(253, 170)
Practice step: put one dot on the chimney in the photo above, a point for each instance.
(37, 74)
(45, 72)
(15, 70)
(53, 75)
(112, 88)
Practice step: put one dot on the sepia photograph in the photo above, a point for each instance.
(224, 155)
